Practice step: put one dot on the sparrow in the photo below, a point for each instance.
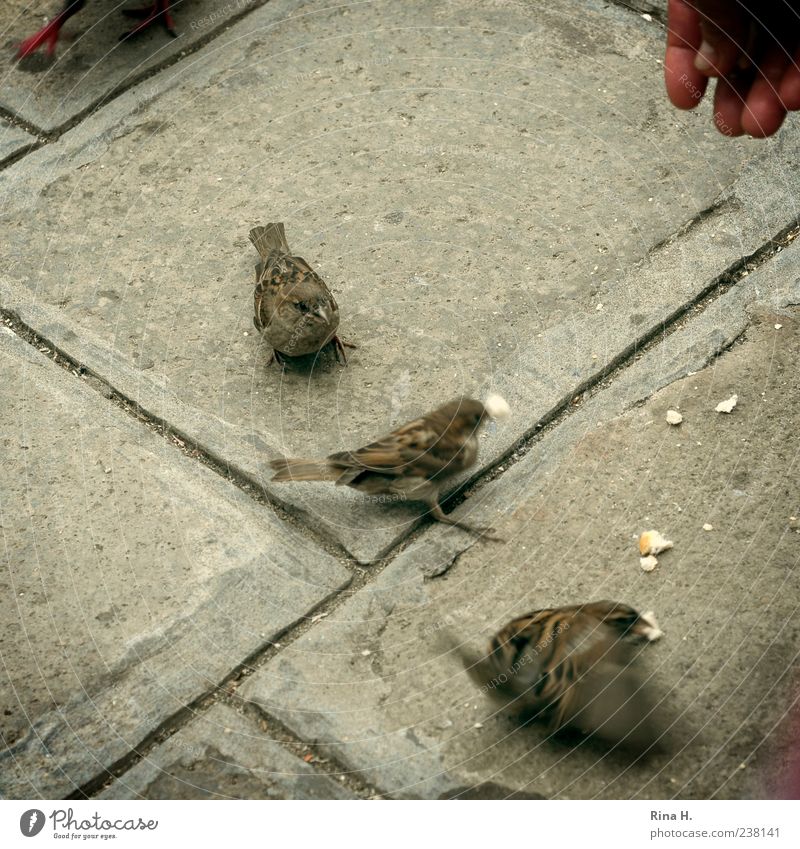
(574, 667)
(294, 309)
(157, 11)
(414, 462)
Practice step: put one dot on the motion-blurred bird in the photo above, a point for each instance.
(294, 309)
(413, 462)
(157, 12)
(574, 667)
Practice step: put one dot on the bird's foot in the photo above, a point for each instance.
(149, 15)
(475, 530)
(278, 357)
(339, 346)
(47, 34)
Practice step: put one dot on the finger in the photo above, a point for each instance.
(764, 110)
(789, 87)
(684, 83)
(725, 30)
(729, 98)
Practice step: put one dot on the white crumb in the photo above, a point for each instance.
(653, 542)
(497, 407)
(648, 563)
(727, 405)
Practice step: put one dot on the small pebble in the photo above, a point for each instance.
(674, 417)
(778, 326)
(708, 527)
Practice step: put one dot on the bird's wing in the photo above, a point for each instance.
(283, 275)
(415, 449)
(549, 650)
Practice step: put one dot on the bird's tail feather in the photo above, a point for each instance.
(268, 239)
(303, 470)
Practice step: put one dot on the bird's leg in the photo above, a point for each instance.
(339, 345)
(278, 357)
(49, 33)
(159, 11)
(476, 530)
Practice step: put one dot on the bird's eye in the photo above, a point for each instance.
(302, 306)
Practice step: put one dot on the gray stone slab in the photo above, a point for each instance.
(13, 140)
(487, 190)
(134, 579)
(223, 755)
(571, 510)
(91, 64)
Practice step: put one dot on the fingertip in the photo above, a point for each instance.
(728, 105)
(684, 83)
(789, 88)
(762, 117)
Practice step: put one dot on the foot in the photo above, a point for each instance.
(753, 50)
(339, 346)
(278, 357)
(475, 530)
(49, 34)
(159, 11)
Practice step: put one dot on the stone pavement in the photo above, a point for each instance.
(501, 198)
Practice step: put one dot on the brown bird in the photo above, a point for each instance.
(294, 309)
(574, 667)
(411, 463)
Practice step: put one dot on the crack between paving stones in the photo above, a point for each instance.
(322, 761)
(11, 117)
(721, 284)
(182, 442)
(47, 136)
(225, 692)
(19, 154)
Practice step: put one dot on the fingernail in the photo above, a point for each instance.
(706, 58)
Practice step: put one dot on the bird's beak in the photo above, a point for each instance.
(323, 314)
